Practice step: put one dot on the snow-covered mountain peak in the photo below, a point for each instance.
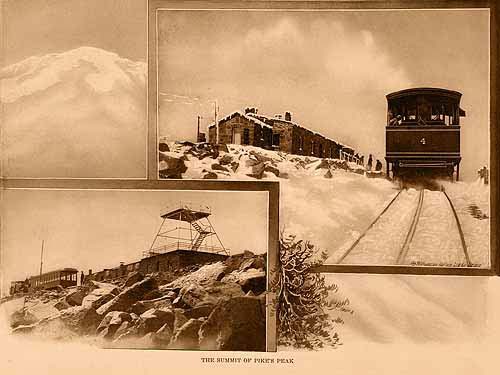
(100, 70)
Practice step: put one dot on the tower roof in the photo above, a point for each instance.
(186, 212)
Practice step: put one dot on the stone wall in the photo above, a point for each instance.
(177, 259)
(285, 131)
(163, 262)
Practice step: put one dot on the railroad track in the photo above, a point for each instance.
(405, 247)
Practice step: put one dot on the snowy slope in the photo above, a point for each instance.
(79, 113)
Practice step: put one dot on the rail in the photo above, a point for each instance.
(355, 243)
(182, 245)
(412, 229)
(460, 231)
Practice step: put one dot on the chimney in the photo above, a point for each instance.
(251, 110)
(288, 116)
(90, 272)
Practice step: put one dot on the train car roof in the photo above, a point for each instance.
(424, 90)
(58, 270)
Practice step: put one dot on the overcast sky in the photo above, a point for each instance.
(99, 229)
(38, 27)
(331, 69)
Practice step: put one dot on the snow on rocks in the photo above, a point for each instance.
(208, 161)
(172, 320)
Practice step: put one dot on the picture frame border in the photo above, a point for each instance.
(271, 187)
(155, 5)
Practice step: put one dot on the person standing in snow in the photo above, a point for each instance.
(370, 162)
(378, 166)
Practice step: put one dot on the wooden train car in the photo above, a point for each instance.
(65, 277)
(423, 133)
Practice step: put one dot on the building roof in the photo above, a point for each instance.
(245, 115)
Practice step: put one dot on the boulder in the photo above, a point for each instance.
(163, 147)
(218, 167)
(171, 167)
(99, 295)
(179, 319)
(250, 279)
(153, 319)
(257, 170)
(193, 294)
(133, 278)
(234, 166)
(139, 308)
(226, 159)
(129, 296)
(123, 328)
(126, 331)
(62, 304)
(254, 262)
(81, 319)
(186, 336)
(75, 298)
(210, 176)
(153, 295)
(111, 322)
(163, 336)
(328, 174)
(235, 324)
(199, 311)
(272, 169)
(234, 262)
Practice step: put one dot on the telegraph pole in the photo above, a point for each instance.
(41, 259)
(198, 132)
(216, 124)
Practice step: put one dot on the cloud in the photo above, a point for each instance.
(331, 76)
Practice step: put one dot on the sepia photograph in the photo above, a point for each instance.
(263, 186)
(73, 89)
(375, 123)
(136, 269)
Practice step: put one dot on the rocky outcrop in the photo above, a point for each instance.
(100, 294)
(153, 319)
(171, 167)
(235, 324)
(80, 319)
(217, 306)
(133, 278)
(186, 336)
(75, 298)
(130, 295)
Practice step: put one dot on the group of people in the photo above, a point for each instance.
(369, 165)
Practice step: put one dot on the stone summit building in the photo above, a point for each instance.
(273, 133)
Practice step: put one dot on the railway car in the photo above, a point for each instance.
(65, 277)
(423, 133)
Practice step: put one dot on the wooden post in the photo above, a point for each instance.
(458, 170)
